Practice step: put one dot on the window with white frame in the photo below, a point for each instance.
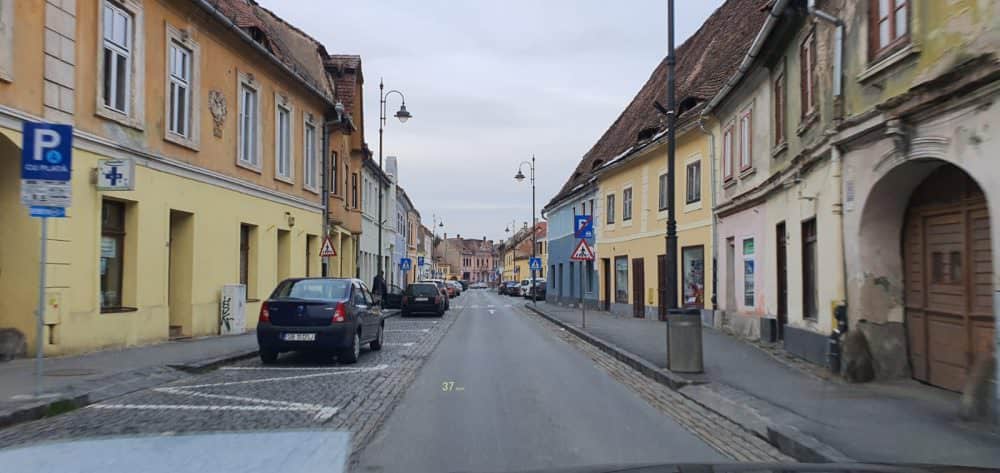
(746, 133)
(309, 166)
(283, 141)
(627, 204)
(662, 194)
(693, 182)
(249, 128)
(727, 153)
(179, 112)
(118, 55)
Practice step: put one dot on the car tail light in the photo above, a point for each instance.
(265, 316)
(404, 299)
(339, 314)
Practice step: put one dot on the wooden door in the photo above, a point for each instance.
(948, 278)
(780, 238)
(638, 288)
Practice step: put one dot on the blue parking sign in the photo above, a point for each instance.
(420, 260)
(47, 151)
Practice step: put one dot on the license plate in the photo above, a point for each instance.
(299, 337)
(421, 299)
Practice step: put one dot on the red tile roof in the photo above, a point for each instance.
(704, 62)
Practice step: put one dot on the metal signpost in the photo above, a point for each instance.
(583, 252)
(46, 168)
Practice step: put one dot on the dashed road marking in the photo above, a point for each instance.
(399, 344)
(423, 330)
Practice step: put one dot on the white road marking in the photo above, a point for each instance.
(492, 311)
(286, 378)
(323, 415)
(424, 330)
(460, 307)
(491, 306)
(508, 305)
(398, 344)
(474, 307)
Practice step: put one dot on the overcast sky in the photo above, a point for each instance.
(491, 83)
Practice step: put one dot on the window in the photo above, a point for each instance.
(117, 54)
(179, 111)
(694, 276)
(7, 40)
(888, 26)
(621, 279)
(249, 148)
(779, 108)
(807, 77)
(593, 209)
(112, 253)
(727, 153)
(746, 148)
(248, 259)
(354, 190)
(611, 209)
(333, 173)
(663, 200)
(749, 270)
(693, 182)
(283, 141)
(627, 204)
(810, 304)
(309, 166)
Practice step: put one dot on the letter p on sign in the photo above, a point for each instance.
(46, 139)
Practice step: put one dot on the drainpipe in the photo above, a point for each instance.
(715, 218)
(325, 186)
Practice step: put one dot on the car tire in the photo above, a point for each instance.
(376, 344)
(268, 357)
(351, 354)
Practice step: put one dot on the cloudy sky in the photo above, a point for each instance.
(491, 83)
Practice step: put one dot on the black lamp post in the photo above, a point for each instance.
(403, 116)
(670, 294)
(534, 233)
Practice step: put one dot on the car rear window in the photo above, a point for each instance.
(422, 290)
(318, 289)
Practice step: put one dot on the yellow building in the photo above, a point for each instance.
(516, 253)
(226, 140)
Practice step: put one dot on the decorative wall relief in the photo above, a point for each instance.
(217, 106)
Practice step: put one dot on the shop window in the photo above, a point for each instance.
(112, 254)
(694, 276)
(749, 270)
(810, 307)
(621, 279)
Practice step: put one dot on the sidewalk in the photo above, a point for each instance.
(84, 379)
(899, 421)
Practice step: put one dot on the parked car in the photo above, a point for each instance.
(444, 290)
(513, 288)
(478, 285)
(502, 288)
(423, 298)
(523, 290)
(465, 285)
(319, 314)
(456, 286)
(393, 297)
(538, 291)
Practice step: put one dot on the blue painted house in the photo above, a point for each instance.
(565, 281)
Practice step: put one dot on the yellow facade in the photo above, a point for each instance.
(192, 201)
(516, 258)
(641, 238)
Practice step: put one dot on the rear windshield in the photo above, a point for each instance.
(319, 289)
(423, 290)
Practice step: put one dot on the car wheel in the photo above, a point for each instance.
(376, 344)
(351, 354)
(268, 356)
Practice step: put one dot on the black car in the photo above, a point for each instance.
(512, 288)
(422, 298)
(538, 291)
(319, 314)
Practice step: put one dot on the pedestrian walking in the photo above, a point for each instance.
(378, 285)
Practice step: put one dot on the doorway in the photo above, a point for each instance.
(638, 288)
(948, 278)
(180, 269)
(731, 274)
(606, 267)
(780, 238)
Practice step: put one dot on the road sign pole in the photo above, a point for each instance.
(583, 308)
(40, 322)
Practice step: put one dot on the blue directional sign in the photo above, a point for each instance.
(46, 168)
(583, 226)
(535, 264)
(420, 260)
(405, 264)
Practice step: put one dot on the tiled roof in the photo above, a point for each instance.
(704, 62)
(290, 45)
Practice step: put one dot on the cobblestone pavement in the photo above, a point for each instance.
(722, 434)
(300, 391)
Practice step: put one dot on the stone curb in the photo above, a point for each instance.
(202, 366)
(38, 410)
(789, 440)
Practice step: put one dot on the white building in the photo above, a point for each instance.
(371, 178)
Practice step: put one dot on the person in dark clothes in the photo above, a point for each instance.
(378, 285)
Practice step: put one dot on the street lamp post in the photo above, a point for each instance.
(403, 116)
(534, 231)
(513, 248)
(670, 294)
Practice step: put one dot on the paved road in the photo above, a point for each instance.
(520, 399)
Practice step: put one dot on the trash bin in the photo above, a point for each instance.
(684, 352)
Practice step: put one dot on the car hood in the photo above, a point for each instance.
(760, 467)
(223, 452)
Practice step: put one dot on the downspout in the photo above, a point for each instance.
(325, 190)
(715, 217)
(839, 321)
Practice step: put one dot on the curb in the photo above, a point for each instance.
(41, 409)
(212, 363)
(787, 439)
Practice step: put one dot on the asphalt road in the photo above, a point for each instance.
(502, 392)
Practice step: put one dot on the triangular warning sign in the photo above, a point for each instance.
(583, 252)
(327, 248)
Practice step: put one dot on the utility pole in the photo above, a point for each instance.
(671, 239)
